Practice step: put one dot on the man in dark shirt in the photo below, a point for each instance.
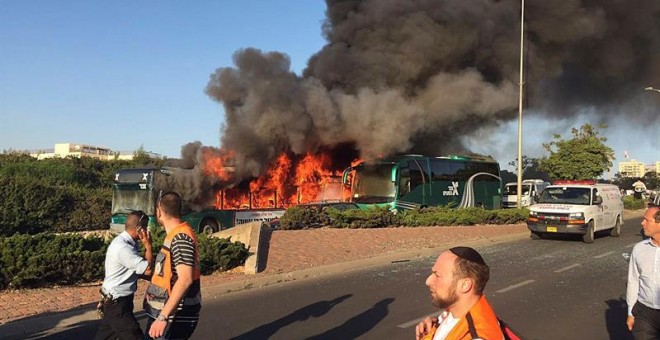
(173, 299)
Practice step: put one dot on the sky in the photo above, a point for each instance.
(125, 74)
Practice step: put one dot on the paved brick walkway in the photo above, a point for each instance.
(288, 251)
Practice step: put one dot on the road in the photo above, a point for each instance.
(559, 288)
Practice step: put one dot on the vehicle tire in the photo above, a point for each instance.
(589, 236)
(535, 235)
(210, 226)
(616, 231)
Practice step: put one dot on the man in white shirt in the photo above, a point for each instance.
(123, 264)
(643, 293)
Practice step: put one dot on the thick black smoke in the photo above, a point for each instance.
(419, 75)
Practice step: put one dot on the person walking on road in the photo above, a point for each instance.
(173, 298)
(643, 293)
(457, 282)
(123, 265)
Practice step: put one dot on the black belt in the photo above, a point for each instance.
(108, 298)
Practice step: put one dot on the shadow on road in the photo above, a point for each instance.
(316, 310)
(359, 324)
(615, 319)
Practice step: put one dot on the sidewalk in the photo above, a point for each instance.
(290, 256)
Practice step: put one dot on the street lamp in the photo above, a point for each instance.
(520, 105)
(651, 89)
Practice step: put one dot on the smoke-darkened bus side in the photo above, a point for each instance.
(411, 181)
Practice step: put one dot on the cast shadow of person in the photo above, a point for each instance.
(315, 310)
(615, 319)
(359, 324)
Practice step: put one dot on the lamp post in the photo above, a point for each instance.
(651, 89)
(520, 104)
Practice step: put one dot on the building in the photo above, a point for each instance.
(63, 150)
(632, 168)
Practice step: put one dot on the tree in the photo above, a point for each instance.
(585, 156)
(530, 169)
(651, 180)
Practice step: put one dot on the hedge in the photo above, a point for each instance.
(58, 194)
(632, 203)
(47, 259)
(304, 218)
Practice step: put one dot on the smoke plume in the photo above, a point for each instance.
(424, 76)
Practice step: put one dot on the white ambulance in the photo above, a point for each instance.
(577, 207)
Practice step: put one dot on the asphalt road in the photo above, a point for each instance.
(559, 288)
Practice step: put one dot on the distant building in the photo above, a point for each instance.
(62, 150)
(632, 168)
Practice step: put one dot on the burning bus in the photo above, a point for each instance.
(215, 199)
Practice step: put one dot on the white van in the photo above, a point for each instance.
(531, 188)
(577, 207)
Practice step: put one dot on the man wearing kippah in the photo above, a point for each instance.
(457, 282)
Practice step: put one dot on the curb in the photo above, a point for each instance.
(36, 326)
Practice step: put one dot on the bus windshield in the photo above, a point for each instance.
(373, 184)
(513, 189)
(566, 195)
(125, 200)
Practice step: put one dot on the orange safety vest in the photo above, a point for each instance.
(160, 288)
(484, 321)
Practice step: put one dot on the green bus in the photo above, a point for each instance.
(416, 181)
(139, 189)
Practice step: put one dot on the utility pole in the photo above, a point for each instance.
(520, 103)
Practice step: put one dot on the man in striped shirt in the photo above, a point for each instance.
(643, 293)
(173, 299)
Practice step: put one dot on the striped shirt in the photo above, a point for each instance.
(183, 252)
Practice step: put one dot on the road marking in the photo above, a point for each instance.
(603, 255)
(416, 321)
(567, 268)
(631, 245)
(512, 287)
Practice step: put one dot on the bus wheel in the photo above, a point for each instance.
(210, 226)
(616, 231)
(589, 236)
(536, 235)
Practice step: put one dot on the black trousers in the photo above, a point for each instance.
(647, 322)
(118, 321)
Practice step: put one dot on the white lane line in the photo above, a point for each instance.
(567, 268)
(631, 245)
(416, 321)
(512, 287)
(603, 255)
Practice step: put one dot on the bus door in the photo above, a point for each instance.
(413, 182)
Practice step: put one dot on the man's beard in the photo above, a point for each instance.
(444, 303)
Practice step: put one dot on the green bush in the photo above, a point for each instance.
(299, 218)
(220, 254)
(48, 259)
(632, 203)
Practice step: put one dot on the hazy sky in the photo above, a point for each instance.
(121, 74)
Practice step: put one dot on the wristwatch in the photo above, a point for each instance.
(161, 317)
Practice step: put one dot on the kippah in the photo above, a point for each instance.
(469, 254)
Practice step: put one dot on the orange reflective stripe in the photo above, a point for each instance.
(164, 281)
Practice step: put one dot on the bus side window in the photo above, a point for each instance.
(440, 170)
(404, 180)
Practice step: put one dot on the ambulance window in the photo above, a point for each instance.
(593, 196)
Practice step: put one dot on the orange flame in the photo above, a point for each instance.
(288, 181)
